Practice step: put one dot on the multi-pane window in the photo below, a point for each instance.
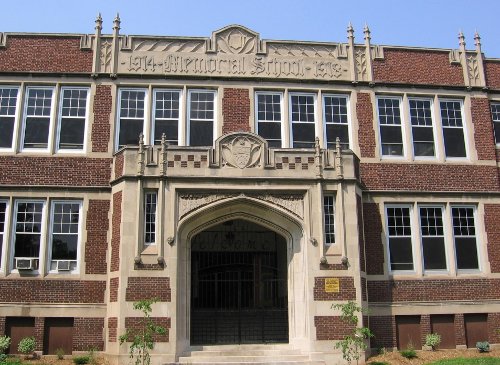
(3, 212)
(329, 219)
(131, 117)
(269, 117)
(201, 117)
(28, 229)
(37, 116)
(72, 118)
(453, 129)
(432, 234)
(65, 220)
(336, 120)
(389, 115)
(464, 234)
(495, 113)
(150, 203)
(166, 116)
(399, 237)
(8, 102)
(421, 127)
(303, 120)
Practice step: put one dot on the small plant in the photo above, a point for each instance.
(81, 360)
(92, 356)
(143, 339)
(4, 343)
(378, 363)
(60, 353)
(409, 352)
(483, 346)
(381, 350)
(27, 346)
(432, 340)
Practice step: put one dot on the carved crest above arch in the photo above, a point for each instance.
(241, 150)
(235, 39)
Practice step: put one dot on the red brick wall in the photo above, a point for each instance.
(492, 225)
(101, 128)
(113, 289)
(88, 334)
(139, 288)
(433, 290)
(32, 53)
(384, 329)
(493, 327)
(361, 240)
(483, 129)
(366, 133)
(39, 329)
(51, 291)
(119, 161)
(112, 328)
(492, 71)
(425, 327)
(97, 232)
(58, 171)
(347, 290)
(115, 231)
(236, 110)
(459, 329)
(429, 177)
(331, 328)
(417, 67)
(135, 324)
(2, 326)
(364, 290)
(373, 239)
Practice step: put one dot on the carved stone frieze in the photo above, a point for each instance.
(106, 50)
(361, 64)
(192, 201)
(294, 203)
(236, 41)
(242, 151)
(473, 69)
(149, 45)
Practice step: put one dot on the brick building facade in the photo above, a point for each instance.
(248, 185)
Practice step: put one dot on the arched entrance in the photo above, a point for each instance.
(239, 290)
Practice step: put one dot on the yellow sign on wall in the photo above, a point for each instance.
(332, 285)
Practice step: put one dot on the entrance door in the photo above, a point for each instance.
(238, 285)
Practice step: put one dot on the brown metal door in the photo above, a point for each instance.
(58, 335)
(475, 329)
(17, 328)
(444, 326)
(408, 330)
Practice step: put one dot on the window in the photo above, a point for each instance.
(399, 237)
(421, 127)
(8, 103)
(329, 219)
(72, 118)
(166, 116)
(64, 237)
(432, 233)
(453, 131)
(150, 203)
(336, 120)
(389, 115)
(28, 229)
(464, 234)
(201, 117)
(303, 120)
(37, 116)
(446, 231)
(3, 213)
(495, 113)
(131, 117)
(269, 117)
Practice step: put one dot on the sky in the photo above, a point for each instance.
(416, 23)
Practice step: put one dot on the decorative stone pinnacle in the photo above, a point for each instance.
(116, 22)
(477, 40)
(367, 32)
(461, 39)
(98, 21)
(350, 31)
(141, 141)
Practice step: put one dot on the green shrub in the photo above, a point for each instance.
(409, 352)
(432, 340)
(27, 345)
(81, 360)
(378, 363)
(483, 346)
(60, 353)
(4, 343)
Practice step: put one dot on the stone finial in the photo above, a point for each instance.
(350, 31)
(317, 157)
(367, 33)
(98, 22)
(477, 41)
(461, 39)
(163, 154)
(116, 23)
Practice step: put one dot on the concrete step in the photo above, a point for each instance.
(249, 352)
(244, 359)
(266, 362)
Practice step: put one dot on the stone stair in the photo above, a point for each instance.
(246, 355)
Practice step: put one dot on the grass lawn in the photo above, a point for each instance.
(468, 361)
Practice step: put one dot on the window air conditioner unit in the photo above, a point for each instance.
(63, 265)
(26, 264)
